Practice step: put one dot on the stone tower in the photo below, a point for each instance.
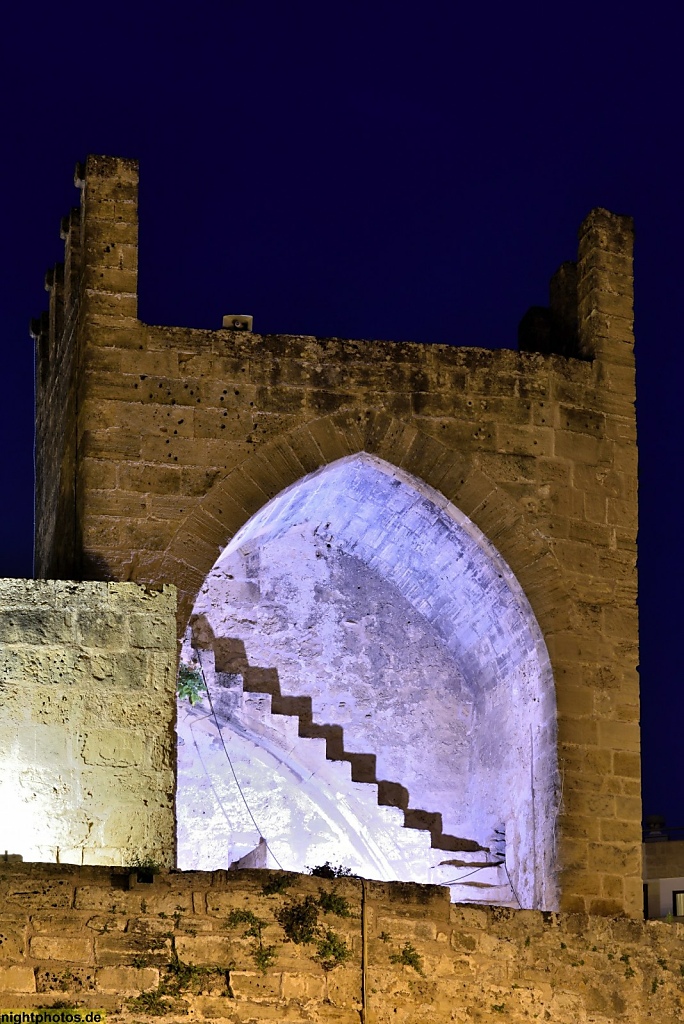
(512, 471)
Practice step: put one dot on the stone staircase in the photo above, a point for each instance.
(410, 843)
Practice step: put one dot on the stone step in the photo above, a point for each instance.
(491, 896)
(474, 878)
(402, 837)
(386, 823)
(414, 843)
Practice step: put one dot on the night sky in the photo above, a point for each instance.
(366, 171)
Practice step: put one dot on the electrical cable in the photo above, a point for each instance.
(225, 750)
(482, 867)
(512, 886)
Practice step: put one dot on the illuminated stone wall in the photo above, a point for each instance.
(183, 435)
(87, 705)
(80, 937)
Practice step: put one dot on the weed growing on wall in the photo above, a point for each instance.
(152, 1003)
(277, 884)
(299, 921)
(409, 957)
(329, 870)
(331, 950)
(262, 955)
(190, 685)
(332, 903)
(179, 979)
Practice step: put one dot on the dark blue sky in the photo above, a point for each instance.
(365, 171)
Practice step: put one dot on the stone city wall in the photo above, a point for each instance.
(182, 435)
(180, 945)
(87, 707)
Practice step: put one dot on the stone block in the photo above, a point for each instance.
(101, 627)
(303, 987)
(127, 981)
(619, 736)
(17, 978)
(613, 831)
(119, 950)
(255, 986)
(207, 950)
(40, 893)
(71, 949)
(49, 923)
(628, 808)
(606, 907)
(114, 748)
(12, 938)
(613, 858)
(215, 1007)
(154, 479)
(344, 986)
(627, 765)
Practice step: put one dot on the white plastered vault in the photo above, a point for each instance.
(366, 591)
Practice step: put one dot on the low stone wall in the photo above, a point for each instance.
(87, 706)
(181, 945)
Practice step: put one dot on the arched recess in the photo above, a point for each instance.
(376, 599)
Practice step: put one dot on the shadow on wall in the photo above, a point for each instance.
(405, 666)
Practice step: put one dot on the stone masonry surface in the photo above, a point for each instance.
(90, 937)
(87, 681)
(170, 439)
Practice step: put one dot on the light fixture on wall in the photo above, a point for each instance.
(238, 322)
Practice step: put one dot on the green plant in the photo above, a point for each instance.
(262, 955)
(410, 957)
(384, 936)
(629, 972)
(332, 903)
(498, 1007)
(61, 1004)
(329, 870)
(190, 684)
(654, 985)
(669, 917)
(181, 977)
(178, 979)
(331, 950)
(563, 945)
(299, 919)
(151, 1003)
(146, 865)
(66, 981)
(527, 940)
(277, 884)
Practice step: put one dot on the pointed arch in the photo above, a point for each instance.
(484, 722)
